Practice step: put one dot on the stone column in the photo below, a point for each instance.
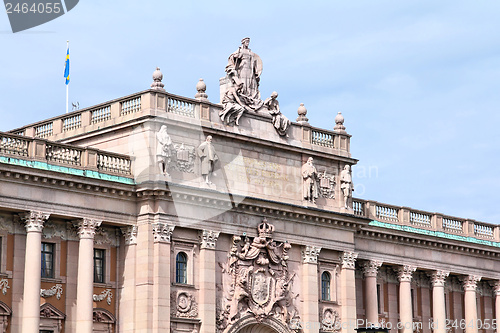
(32, 272)
(310, 296)
(348, 291)
(438, 303)
(497, 304)
(127, 293)
(207, 304)
(405, 309)
(470, 285)
(85, 284)
(370, 270)
(161, 277)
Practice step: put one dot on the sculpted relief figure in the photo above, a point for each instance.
(208, 157)
(310, 184)
(234, 106)
(164, 150)
(280, 122)
(346, 185)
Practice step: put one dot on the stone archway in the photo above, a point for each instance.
(249, 324)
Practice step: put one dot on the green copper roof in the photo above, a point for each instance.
(439, 234)
(67, 170)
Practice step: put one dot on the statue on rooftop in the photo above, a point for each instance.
(346, 184)
(208, 157)
(310, 184)
(164, 150)
(280, 122)
(233, 105)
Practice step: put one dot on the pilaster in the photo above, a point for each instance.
(207, 304)
(310, 288)
(348, 291)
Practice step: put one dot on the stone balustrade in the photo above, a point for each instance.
(153, 102)
(425, 220)
(36, 149)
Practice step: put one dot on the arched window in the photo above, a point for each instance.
(181, 268)
(325, 286)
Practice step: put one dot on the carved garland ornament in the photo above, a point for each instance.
(256, 280)
(4, 285)
(104, 295)
(56, 290)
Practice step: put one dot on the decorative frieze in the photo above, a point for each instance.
(348, 260)
(162, 232)
(405, 273)
(310, 254)
(370, 268)
(34, 220)
(4, 285)
(56, 290)
(438, 278)
(105, 236)
(87, 227)
(104, 295)
(208, 239)
(470, 282)
(130, 234)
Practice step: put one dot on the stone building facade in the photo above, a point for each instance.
(106, 225)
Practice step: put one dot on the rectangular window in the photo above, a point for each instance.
(47, 260)
(379, 299)
(99, 265)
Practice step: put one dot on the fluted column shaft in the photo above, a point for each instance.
(438, 303)
(405, 274)
(470, 285)
(370, 270)
(85, 282)
(207, 303)
(32, 270)
(310, 296)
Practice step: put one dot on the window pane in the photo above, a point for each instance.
(47, 260)
(99, 266)
(325, 286)
(181, 268)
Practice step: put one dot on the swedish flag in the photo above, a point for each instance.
(66, 69)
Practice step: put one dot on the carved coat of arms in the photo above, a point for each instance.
(256, 280)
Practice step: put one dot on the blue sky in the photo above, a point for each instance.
(417, 81)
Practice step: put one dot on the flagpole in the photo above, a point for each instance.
(67, 86)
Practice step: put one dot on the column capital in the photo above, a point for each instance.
(470, 282)
(34, 220)
(162, 232)
(438, 278)
(208, 239)
(310, 254)
(130, 234)
(405, 273)
(496, 288)
(86, 227)
(370, 268)
(348, 260)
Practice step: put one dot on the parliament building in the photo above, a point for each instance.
(160, 213)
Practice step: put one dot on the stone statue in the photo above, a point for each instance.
(245, 67)
(310, 185)
(164, 150)
(280, 122)
(243, 70)
(346, 184)
(233, 106)
(208, 156)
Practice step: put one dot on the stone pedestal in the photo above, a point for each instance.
(309, 280)
(31, 296)
(85, 284)
(405, 274)
(348, 291)
(207, 304)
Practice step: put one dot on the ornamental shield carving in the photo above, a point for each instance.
(261, 286)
